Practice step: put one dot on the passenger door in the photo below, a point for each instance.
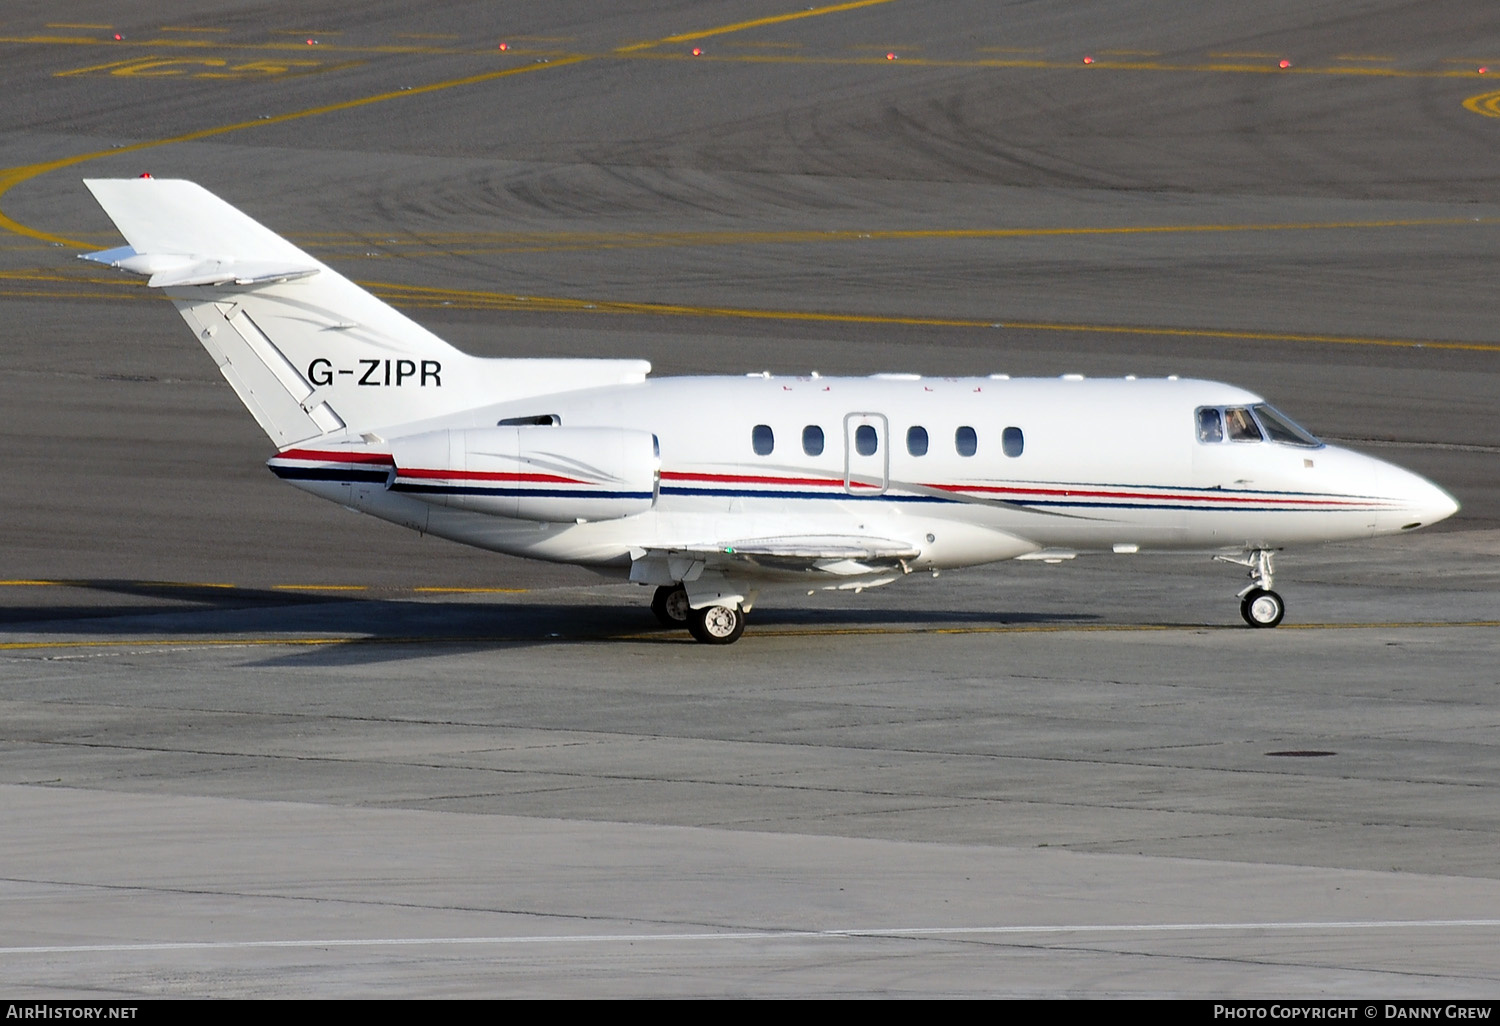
(867, 454)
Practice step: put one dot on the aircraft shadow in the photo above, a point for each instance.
(382, 629)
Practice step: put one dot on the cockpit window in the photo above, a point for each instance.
(1210, 425)
(1280, 428)
(1258, 423)
(1241, 426)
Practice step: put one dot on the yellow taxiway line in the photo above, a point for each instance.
(11, 177)
(663, 635)
(435, 298)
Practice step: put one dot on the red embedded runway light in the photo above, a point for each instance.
(144, 174)
(1284, 65)
(1484, 71)
(890, 56)
(505, 46)
(1088, 60)
(312, 42)
(697, 51)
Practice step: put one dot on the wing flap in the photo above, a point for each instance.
(789, 557)
(819, 548)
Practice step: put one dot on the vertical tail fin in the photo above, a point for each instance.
(308, 352)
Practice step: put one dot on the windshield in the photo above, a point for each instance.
(1281, 428)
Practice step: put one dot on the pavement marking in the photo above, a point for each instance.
(152, 66)
(11, 177)
(1133, 60)
(320, 587)
(656, 634)
(776, 19)
(468, 243)
(471, 591)
(432, 297)
(422, 297)
(848, 933)
(95, 67)
(191, 585)
(1487, 104)
(1096, 65)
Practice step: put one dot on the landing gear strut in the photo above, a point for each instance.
(1259, 605)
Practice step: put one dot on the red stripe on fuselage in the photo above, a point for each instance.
(1079, 493)
(334, 456)
(481, 475)
(1072, 493)
(835, 482)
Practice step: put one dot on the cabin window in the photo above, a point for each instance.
(966, 441)
(1210, 425)
(1012, 442)
(866, 440)
(812, 440)
(762, 440)
(1240, 426)
(916, 441)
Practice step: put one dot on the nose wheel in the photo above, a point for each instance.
(1259, 605)
(1262, 608)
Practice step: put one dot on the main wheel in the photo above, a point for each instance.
(1262, 608)
(670, 604)
(717, 625)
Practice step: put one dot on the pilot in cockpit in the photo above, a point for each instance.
(1210, 426)
(1242, 428)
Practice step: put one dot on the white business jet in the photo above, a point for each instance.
(714, 488)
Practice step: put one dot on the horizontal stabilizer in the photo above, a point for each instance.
(170, 269)
(167, 270)
(173, 218)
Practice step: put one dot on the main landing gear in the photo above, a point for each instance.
(1259, 605)
(670, 604)
(712, 625)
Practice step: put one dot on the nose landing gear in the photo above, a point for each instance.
(1259, 605)
(1262, 608)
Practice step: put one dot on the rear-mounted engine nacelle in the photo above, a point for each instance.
(556, 474)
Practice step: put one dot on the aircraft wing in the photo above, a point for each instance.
(836, 555)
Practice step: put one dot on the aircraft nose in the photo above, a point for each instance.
(1423, 503)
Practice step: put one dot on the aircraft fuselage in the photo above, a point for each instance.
(965, 470)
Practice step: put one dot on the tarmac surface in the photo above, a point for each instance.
(252, 745)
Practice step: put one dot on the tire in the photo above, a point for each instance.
(717, 625)
(670, 604)
(1262, 608)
